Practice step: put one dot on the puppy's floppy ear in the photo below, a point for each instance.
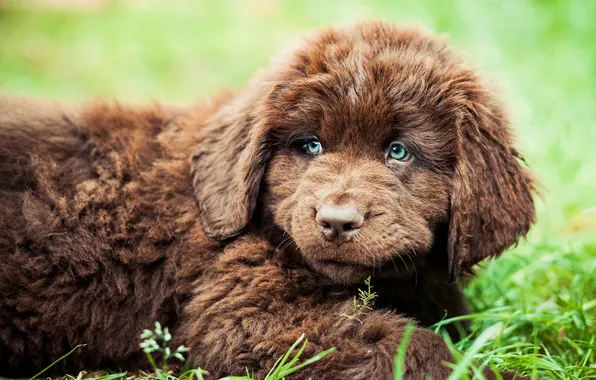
(491, 203)
(227, 167)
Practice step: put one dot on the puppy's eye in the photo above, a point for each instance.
(398, 151)
(313, 147)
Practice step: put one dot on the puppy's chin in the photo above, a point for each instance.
(340, 272)
(345, 265)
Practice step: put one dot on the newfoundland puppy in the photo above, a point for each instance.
(247, 220)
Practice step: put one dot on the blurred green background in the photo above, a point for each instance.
(541, 54)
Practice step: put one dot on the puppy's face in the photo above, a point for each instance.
(361, 144)
(360, 177)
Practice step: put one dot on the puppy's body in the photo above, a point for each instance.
(101, 233)
(100, 237)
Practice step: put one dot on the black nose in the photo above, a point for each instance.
(339, 223)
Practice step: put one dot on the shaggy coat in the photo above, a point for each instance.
(245, 221)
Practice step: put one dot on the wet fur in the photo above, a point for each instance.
(107, 226)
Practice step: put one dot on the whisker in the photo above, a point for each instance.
(289, 240)
(283, 242)
(403, 261)
(394, 266)
(271, 226)
(413, 264)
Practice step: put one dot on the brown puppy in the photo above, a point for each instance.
(371, 150)
(363, 151)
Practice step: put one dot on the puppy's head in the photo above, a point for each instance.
(361, 144)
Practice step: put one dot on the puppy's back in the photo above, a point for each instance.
(97, 227)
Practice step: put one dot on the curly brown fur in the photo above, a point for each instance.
(107, 226)
(98, 234)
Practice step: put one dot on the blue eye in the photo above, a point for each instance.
(399, 152)
(313, 147)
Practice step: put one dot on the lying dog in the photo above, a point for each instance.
(363, 151)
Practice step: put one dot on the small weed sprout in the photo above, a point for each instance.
(157, 341)
(363, 302)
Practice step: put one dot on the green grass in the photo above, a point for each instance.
(156, 342)
(535, 310)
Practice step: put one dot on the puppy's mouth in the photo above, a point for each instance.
(343, 264)
(347, 272)
(341, 271)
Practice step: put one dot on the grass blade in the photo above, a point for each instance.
(310, 361)
(57, 361)
(400, 357)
